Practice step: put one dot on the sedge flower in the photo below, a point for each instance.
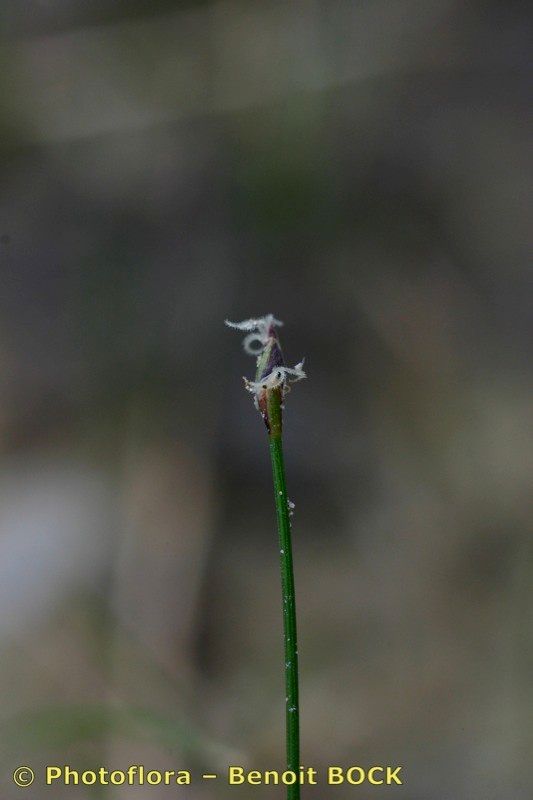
(271, 373)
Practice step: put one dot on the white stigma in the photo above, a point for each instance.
(256, 341)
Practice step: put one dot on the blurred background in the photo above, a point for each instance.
(360, 170)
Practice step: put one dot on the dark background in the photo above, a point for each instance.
(360, 170)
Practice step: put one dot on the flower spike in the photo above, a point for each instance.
(271, 373)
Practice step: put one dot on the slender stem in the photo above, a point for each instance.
(288, 593)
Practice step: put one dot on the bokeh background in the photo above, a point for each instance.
(360, 170)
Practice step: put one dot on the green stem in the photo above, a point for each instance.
(288, 593)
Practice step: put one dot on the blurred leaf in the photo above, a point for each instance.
(58, 727)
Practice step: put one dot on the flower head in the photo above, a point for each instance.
(271, 373)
